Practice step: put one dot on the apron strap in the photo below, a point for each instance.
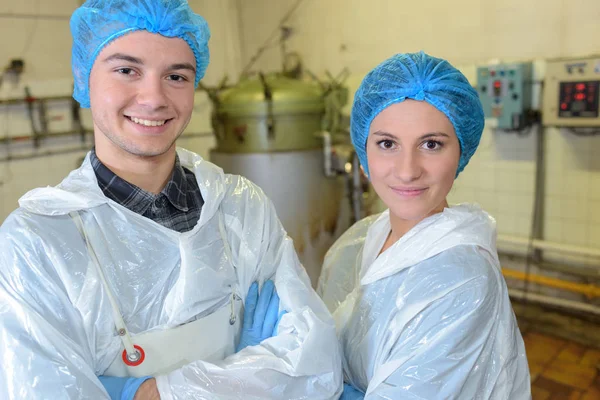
(132, 353)
(229, 254)
(224, 237)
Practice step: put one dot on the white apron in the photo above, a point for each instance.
(210, 338)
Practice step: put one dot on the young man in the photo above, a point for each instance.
(135, 266)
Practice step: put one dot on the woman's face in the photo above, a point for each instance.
(413, 154)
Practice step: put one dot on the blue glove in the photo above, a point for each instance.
(350, 393)
(260, 315)
(122, 388)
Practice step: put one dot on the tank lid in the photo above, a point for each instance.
(287, 95)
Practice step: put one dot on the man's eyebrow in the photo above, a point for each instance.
(183, 66)
(123, 57)
(135, 60)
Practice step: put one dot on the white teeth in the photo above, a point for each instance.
(146, 122)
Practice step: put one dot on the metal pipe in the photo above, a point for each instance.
(33, 99)
(327, 161)
(591, 272)
(552, 301)
(553, 246)
(18, 157)
(357, 190)
(195, 135)
(25, 138)
(537, 225)
(589, 290)
(35, 16)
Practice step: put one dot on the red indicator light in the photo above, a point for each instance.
(580, 86)
(497, 84)
(579, 96)
(563, 106)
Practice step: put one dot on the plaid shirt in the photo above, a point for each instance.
(177, 207)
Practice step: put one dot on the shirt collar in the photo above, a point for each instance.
(177, 188)
(136, 199)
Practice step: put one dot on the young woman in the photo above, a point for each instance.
(420, 304)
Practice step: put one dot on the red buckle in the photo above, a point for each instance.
(136, 362)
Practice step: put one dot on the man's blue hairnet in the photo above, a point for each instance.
(98, 22)
(421, 77)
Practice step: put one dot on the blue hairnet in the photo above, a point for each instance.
(418, 76)
(98, 22)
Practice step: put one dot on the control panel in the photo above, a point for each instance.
(505, 93)
(571, 92)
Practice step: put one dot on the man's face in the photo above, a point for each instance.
(142, 94)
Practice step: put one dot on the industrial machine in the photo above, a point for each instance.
(505, 91)
(571, 91)
(284, 134)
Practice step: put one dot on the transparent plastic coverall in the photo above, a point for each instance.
(430, 317)
(57, 331)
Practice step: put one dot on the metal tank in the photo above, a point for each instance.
(274, 130)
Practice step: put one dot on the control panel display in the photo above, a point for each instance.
(578, 99)
(571, 92)
(505, 93)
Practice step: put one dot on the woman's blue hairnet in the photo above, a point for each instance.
(418, 76)
(98, 22)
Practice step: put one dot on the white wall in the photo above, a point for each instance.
(358, 34)
(45, 45)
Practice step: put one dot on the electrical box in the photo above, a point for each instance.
(571, 90)
(505, 93)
